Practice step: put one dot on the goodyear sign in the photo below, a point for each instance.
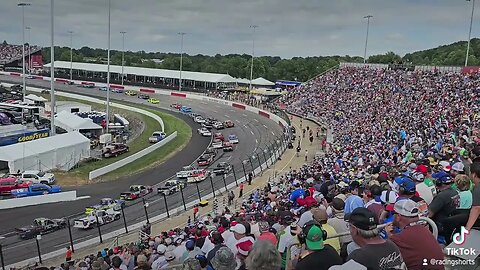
(24, 137)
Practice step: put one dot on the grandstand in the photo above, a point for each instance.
(11, 57)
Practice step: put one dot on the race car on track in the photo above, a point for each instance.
(204, 132)
(130, 93)
(35, 190)
(205, 160)
(10, 183)
(222, 168)
(116, 90)
(193, 115)
(41, 226)
(217, 144)
(157, 136)
(228, 124)
(106, 203)
(207, 125)
(171, 186)
(219, 135)
(186, 171)
(143, 96)
(233, 138)
(211, 151)
(201, 176)
(176, 106)
(88, 85)
(103, 217)
(153, 100)
(136, 191)
(218, 125)
(103, 88)
(185, 109)
(228, 147)
(199, 120)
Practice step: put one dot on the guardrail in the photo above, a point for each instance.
(41, 199)
(111, 167)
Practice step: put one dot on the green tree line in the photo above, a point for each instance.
(270, 67)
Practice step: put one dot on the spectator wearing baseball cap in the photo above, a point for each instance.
(373, 252)
(414, 240)
(353, 201)
(263, 255)
(265, 233)
(317, 255)
(224, 259)
(447, 200)
(407, 189)
(236, 233)
(320, 216)
(338, 222)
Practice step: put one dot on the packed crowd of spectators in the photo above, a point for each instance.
(405, 148)
(10, 53)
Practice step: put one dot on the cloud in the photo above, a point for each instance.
(287, 28)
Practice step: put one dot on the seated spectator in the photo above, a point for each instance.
(263, 256)
(320, 217)
(339, 224)
(224, 259)
(353, 201)
(316, 255)
(415, 241)
(373, 252)
(265, 233)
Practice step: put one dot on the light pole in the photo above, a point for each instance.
(366, 39)
(107, 116)
(29, 51)
(470, 32)
(123, 51)
(23, 5)
(181, 60)
(71, 53)
(52, 72)
(253, 54)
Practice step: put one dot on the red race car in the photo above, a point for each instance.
(205, 160)
(219, 136)
(176, 106)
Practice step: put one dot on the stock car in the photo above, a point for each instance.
(176, 106)
(153, 100)
(222, 168)
(207, 125)
(204, 132)
(199, 120)
(103, 88)
(211, 151)
(217, 144)
(228, 124)
(41, 226)
(205, 160)
(219, 135)
(232, 138)
(186, 171)
(136, 191)
(116, 90)
(218, 125)
(143, 96)
(228, 147)
(35, 190)
(130, 93)
(106, 203)
(185, 109)
(201, 176)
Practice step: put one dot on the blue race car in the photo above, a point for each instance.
(185, 109)
(35, 189)
(232, 138)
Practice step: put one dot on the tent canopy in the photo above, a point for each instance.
(148, 72)
(72, 122)
(262, 81)
(62, 151)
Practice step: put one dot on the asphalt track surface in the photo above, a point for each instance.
(254, 133)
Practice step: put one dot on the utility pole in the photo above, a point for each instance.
(366, 39)
(253, 54)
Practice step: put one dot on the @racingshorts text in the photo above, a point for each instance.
(451, 262)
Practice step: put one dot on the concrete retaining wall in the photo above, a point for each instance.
(41, 199)
(109, 168)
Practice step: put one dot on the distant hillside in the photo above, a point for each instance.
(447, 55)
(269, 67)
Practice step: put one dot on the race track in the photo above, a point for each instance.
(254, 133)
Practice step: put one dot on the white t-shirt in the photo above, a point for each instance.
(425, 192)
(286, 240)
(179, 251)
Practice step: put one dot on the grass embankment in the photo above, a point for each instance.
(79, 175)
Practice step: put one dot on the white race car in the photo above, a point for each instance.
(199, 120)
(217, 144)
(204, 132)
(186, 172)
(199, 177)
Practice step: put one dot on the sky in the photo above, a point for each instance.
(287, 28)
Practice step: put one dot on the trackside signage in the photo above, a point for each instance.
(24, 137)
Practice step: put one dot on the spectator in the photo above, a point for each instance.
(317, 255)
(474, 217)
(161, 261)
(320, 217)
(142, 263)
(191, 264)
(353, 201)
(374, 252)
(462, 183)
(265, 233)
(263, 256)
(243, 247)
(224, 259)
(415, 241)
(340, 225)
